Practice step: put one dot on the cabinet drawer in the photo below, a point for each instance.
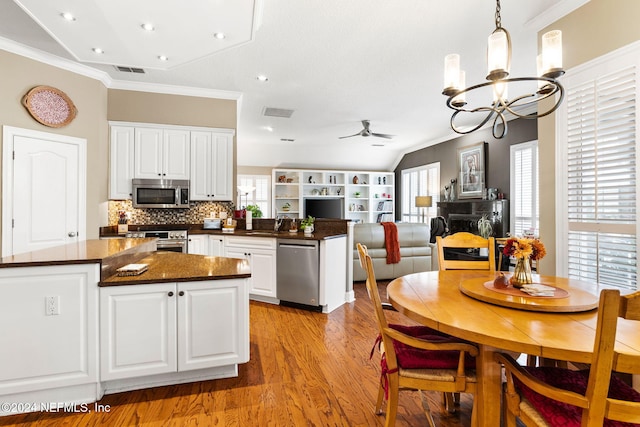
(250, 242)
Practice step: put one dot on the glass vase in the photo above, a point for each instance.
(521, 273)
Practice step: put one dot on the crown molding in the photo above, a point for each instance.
(74, 67)
(554, 13)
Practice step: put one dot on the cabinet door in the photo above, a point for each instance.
(213, 324)
(200, 185)
(137, 330)
(121, 164)
(176, 154)
(216, 246)
(148, 153)
(222, 167)
(263, 272)
(198, 244)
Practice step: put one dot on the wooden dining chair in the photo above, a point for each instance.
(548, 396)
(464, 240)
(417, 357)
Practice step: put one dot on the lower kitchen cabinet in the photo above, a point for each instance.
(261, 254)
(172, 327)
(203, 244)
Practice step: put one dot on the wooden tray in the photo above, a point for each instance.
(580, 296)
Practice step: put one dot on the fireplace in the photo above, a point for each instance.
(463, 215)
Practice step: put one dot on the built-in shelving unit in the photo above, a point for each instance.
(367, 196)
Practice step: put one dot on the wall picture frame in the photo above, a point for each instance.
(471, 171)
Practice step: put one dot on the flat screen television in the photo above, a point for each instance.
(324, 208)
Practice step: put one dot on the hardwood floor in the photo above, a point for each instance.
(306, 368)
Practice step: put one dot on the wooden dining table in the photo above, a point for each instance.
(435, 299)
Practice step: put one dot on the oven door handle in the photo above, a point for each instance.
(171, 244)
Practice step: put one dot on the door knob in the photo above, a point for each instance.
(72, 234)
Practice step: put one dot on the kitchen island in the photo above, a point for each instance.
(73, 330)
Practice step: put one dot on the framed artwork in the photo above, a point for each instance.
(471, 171)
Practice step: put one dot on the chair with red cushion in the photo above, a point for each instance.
(418, 357)
(551, 396)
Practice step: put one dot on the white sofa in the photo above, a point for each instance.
(416, 253)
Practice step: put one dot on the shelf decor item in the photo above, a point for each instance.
(49, 106)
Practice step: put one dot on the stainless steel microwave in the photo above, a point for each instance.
(160, 193)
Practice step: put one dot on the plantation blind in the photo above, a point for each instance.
(524, 189)
(420, 181)
(601, 179)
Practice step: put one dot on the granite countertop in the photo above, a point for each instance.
(179, 267)
(111, 254)
(270, 233)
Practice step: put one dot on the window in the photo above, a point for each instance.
(597, 143)
(260, 195)
(420, 181)
(525, 215)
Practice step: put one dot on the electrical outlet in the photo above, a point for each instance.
(52, 305)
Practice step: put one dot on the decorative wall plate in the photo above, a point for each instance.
(49, 106)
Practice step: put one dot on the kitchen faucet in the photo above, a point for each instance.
(278, 223)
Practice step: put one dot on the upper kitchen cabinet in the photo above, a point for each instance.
(121, 162)
(161, 153)
(202, 155)
(212, 165)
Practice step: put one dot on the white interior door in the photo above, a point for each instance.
(43, 190)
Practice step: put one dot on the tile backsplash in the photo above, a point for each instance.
(194, 215)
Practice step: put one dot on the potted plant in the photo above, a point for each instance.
(485, 229)
(255, 211)
(307, 224)
(286, 207)
(356, 194)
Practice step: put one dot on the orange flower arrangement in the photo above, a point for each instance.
(524, 248)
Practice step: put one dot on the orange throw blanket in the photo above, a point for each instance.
(391, 242)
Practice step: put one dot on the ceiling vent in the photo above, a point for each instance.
(287, 139)
(129, 69)
(277, 112)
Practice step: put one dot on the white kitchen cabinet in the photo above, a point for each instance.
(198, 244)
(121, 164)
(172, 327)
(203, 244)
(261, 254)
(162, 153)
(212, 165)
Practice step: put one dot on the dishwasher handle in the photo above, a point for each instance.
(297, 246)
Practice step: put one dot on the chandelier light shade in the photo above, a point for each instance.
(549, 69)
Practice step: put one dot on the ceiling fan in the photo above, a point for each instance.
(367, 132)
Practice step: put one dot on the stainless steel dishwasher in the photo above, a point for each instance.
(297, 273)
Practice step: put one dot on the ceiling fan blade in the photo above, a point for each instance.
(349, 136)
(383, 135)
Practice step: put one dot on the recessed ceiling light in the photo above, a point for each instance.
(163, 58)
(68, 16)
(97, 50)
(262, 78)
(219, 35)
(147, 27)
(268, 128)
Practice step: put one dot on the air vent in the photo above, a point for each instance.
(287, 139)
(129, 69)
(277, 112)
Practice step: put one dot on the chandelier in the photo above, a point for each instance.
(549, 65)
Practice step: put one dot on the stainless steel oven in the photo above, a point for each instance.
(172, 241)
